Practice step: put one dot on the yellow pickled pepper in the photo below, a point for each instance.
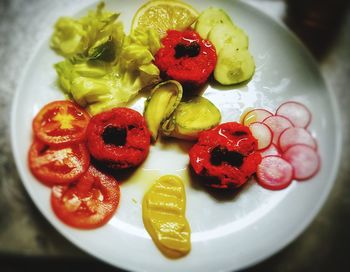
(163, 212)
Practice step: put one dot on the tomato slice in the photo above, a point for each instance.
(58, 165)
(61, 122)
(89, 203)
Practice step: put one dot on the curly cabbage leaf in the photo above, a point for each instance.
(69, 37)
(111, 68)
(146, 37)
(100, 89)
(96, 35)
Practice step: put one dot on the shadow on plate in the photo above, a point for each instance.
(19, 263)
(220, 195)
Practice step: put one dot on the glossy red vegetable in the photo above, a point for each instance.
(57, 165)
(226, 156)
(88, 203)
(186, 57)
(119, 138)
(60, 123)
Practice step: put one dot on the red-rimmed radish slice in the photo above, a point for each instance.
(272, 150)
(277, 124)
(295, 135)
(296, 112)
(274, 173)
(256, 115)
(304, 159)
(262, 133)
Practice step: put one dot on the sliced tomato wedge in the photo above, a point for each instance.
(58, 165)
(89, 203)
(61, 122)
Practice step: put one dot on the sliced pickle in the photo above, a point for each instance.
(209, 18)
(190, 118)
(164, 99)
(163, 214)
(233, 65)
(228, 33)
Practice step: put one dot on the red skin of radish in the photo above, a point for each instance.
(272, 150)
(304, 159)
(265, 140)
(295, 135)
(297, 113)
(261, 114)
(277, 124)
(274, 173)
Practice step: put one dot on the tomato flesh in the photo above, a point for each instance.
(88, 203)
(61, 122)
(58, 165)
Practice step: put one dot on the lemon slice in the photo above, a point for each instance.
(163, 15)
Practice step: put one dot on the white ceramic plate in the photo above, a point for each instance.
(227, 234)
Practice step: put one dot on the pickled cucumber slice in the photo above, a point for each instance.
(192, 117)
(233, 65)
(163, 214)
(164, 99)
(227, 33)
(209, 18)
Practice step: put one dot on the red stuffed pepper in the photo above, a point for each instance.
(119, 138)
(186, 57)
(226, 156)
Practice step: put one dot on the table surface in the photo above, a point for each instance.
(28, 240)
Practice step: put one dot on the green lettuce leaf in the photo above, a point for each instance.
(146, 37)
(90, 36)
(110, 68)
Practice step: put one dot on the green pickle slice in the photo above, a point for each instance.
(234, 65)
(192, 117)
(209, 18)
(164, 99)
(228, 33)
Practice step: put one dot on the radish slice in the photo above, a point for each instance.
(277, 124)
(295, 135)
(274, 173)
(262, 133)
(296, 112)
(304, 159)
(256, 115)
(272, 150)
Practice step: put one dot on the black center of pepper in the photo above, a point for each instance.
(183, 50)
(114, 135)
(220, 155)
(239, 133)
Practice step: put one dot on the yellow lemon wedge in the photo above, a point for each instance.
(163, 213)
(163, 15)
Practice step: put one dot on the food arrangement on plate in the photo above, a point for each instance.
(171, 53)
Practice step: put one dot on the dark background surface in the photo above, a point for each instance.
(27, 240)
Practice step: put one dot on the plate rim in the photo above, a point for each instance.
(292, 236)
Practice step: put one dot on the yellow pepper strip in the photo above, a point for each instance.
(163, 212)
